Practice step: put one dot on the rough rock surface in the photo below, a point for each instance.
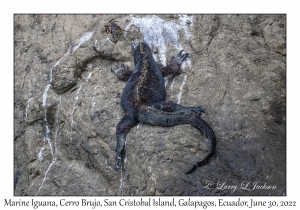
(67, 105)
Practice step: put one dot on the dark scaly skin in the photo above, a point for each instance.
(144, 95)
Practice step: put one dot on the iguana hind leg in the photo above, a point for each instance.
(123, 127)
(152, 116)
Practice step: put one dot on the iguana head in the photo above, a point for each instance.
(140, 50)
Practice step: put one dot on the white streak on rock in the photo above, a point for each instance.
(89, 76)
(27, 108)
(45, 177)
(173, 82)
(47, 133)
(85, 37)
(31, 185)
(47, 130)
(58, 62)
(184, 22)
(159, 33)
(54, 154)
(40, 155)
(181, 89)
(184, 65)
(121, 188)
(93, 100)
(45, 94)
(72, 114)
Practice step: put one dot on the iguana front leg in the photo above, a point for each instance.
(170, 106)
(175, 63)
(122, 72)
(123, 127)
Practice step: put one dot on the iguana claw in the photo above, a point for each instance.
(180, 57)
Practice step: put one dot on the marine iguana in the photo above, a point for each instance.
(143, 99)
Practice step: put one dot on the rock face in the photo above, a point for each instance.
(67, 105)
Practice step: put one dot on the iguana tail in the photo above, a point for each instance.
(161, 118)
(208, 132)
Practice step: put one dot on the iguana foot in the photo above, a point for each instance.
(193, 110)
(180, 57)
(174, 65)
(197, 110)
(122, 72)
(119, 149)
(119, 68)
(123, 127)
